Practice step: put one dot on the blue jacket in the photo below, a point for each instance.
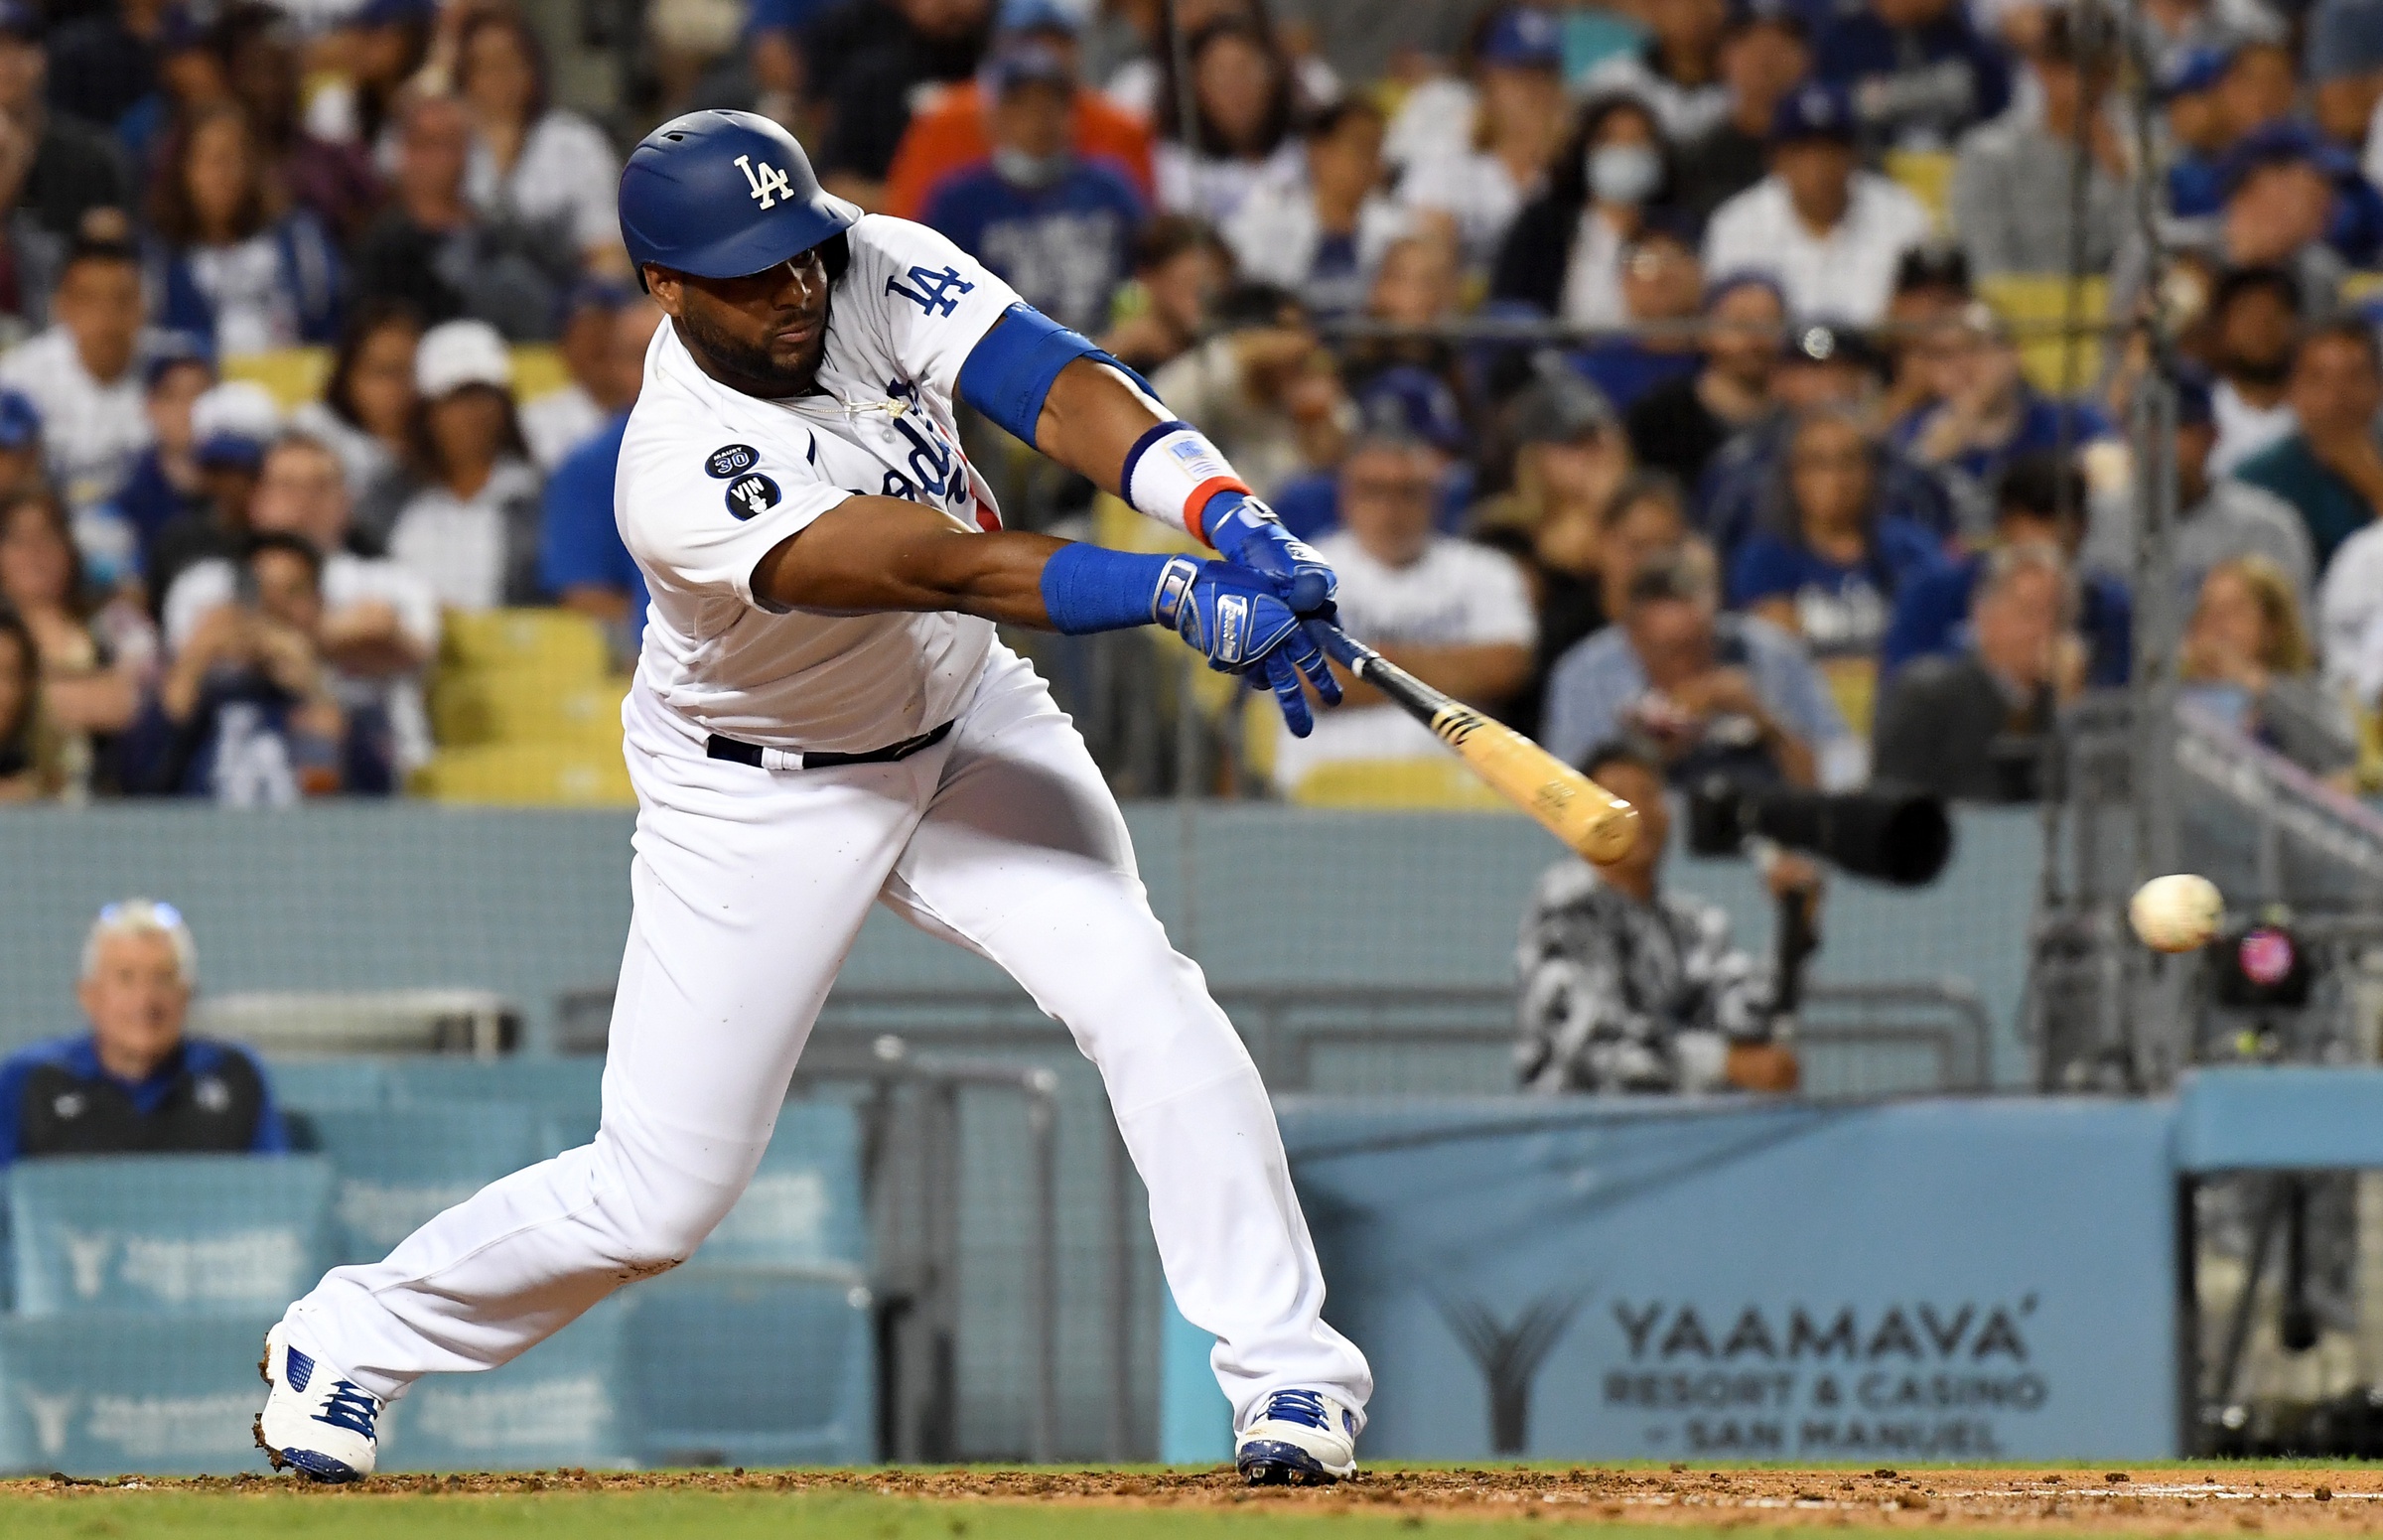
(206, 1096)
(579, 544)
(1064, 247)
(310, 274)
(1931, 618)
(1859, 47)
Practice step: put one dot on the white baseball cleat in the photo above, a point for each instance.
(314, 1421)
(1298, 1437)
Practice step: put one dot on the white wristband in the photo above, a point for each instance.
(1172, 471)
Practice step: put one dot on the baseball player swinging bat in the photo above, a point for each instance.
(1568, 805)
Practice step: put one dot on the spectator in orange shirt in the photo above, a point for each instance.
(954, 133)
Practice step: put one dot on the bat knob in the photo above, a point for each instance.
(1610, 837)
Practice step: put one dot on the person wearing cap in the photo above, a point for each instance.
(1985, 412)
(583, 564)
(164, 482)
(1410, 403)
(134, 1081)
(380, 626)
(1058, 227)
(1915, 71)
(2010, 198)
(2286, 193)
(531, 161)
(1570, 456)
(958, 130)
(1932, 291)
(1713, 693)
(1678, 427)
(2197, 130)
(2331, 468)
(432, 251)
(63, 168)
(471, 528)
(1678, 71)
(230, 424)
(1320, 231)
(1766, 52)
(1563, 254)
(593, 391)
(1827, 231)
(1516, 109)
(82, 373)
(2218, 518)
(1456, 615)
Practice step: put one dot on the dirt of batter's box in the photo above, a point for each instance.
(2231, 1500)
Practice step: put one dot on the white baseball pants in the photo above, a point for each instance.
(750, 885)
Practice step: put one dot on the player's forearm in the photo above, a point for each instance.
(1091, 419)
(873, 554)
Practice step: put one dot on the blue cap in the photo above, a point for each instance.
(2196, 406)
(1037, 16)
(2195, 71)
(393, 13)
(1524, 38)
(20, 421)
(1027, 62)
(1411, 404)
(164, 351)
(1815, 109)
(2280, 143)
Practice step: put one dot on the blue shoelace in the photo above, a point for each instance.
(350, 1407)
(1298, 1406)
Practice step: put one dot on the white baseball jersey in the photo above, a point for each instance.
(712, 480)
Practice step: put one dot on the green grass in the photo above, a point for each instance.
(679, 1515)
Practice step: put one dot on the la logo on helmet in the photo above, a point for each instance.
(769, 181)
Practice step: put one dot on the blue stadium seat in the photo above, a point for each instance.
(804, 1207)
(753, 1367)
(112, 1391)
(548, 1084)
(398, 1166)
(184, 1234)
(317, 1085)
(558, 1404)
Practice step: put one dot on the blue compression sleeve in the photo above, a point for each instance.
(1089, 588)
(1008, 373)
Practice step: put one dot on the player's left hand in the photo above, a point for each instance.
(1249, 534)
(1239, 618)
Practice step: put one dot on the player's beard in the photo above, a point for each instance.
(748, 367)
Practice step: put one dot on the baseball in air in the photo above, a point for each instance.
(2177, 913)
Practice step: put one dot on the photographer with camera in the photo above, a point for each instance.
(1628, 987)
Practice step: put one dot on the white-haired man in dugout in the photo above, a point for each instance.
(133, 1082)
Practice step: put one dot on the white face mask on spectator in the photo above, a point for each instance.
(1623, 173)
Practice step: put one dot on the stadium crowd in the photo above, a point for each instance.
(1776, 480)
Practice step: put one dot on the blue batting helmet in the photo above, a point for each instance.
(723, 194)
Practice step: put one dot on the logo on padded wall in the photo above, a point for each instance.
(731, 459)
(751, 495)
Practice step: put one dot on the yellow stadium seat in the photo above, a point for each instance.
(2037, 303)
(515, 706)
(295, 375)
(1437, 781)
(561, 646)
(2359, 288)
(1926, 175)
(528, 776)
(1854, 685)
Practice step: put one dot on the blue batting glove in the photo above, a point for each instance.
(1247, 531)
(1237, 618)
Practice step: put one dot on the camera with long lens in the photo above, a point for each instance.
(1895, 836)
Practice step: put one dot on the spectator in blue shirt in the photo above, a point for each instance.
(134, 1084)
(1983, 413)
(2041, 503)
(581, 560)
(1917, 71)
(1827, 563)
(2198, 130)
(1057, 227)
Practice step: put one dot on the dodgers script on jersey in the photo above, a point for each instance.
(711, 481)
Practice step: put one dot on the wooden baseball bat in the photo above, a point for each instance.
(1571, 807)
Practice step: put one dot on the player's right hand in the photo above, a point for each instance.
(1240, 621)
